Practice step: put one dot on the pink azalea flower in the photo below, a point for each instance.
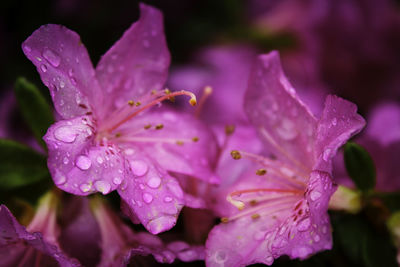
(35, 245)
(120, 244)
(282, 200)
(109, 136)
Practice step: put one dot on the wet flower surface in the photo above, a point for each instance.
(282, 201)
(108, 139)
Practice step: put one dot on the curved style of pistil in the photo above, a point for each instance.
(282, 199)
(110, 137)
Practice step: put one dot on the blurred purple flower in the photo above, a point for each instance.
(120, 244)
(282, 204)
(352, 43)
(104, 140)
(35, 245)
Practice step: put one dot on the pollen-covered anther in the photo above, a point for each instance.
(159, 126)
(147, 126)
(255, 216)
(195, 139)
(118, 135)
(236, 154)
(131, 103)
(193, 101)
(253, 202)
(238, 204)
(138, 103)
(229, 129)
(261, 172)
(224, 220)
(180, 143)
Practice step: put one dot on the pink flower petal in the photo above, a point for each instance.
(173, 146)
(78, 165)
(278, 114)
(65, 68)
(153, 196)
(338, 123)
(138, 62)
(17, 245)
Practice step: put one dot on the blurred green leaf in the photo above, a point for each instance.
(390, 199)
(360, 166)
(34, 108)
(20, 165)
(363, 243)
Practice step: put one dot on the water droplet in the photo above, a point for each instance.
(334, 121)
(103, 186)
(83, 162)
(27, 48)
(85, 187)
(59, 178)
(317, 238)
(167, 199)
(286, 129)
(139, 167)
(129, 151)
(52, 57)
(117, 180)
(100, 160)
(43, 68)
(175, 189)
(314, 195)
(65, 134)
(154, 182)
(65, 160)
(269, 260)
(62, 84)
(73, 81)
(146, 43)
(326, 154)
(304, 225)
(220, 256)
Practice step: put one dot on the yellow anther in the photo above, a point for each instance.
(138, 103)
(255, 216)
(208, 90)
(229, 129)
(131, 103)
(253, 202)
(148, 126)
(117, 134)
(195, 139)
(261, 172)
(159, 126)
(224, 220)
(167, 91)
(193, 101)
(179, 143)
(236, 154)
(238, 204)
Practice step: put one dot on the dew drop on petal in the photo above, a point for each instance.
(102, 186)
(73, 81)
(65, 134)
(317, 238)
(304, 225)
(99, 160)
(117, 180)
(129, 151)
(85, 187)
(52, 57)
(167, 199)
(147, 198)
(43, 68)
(334, 121)
(326, 154)
(220, 256)
(59, 178)
(314, 195)
(139, 167)
(27, 48)
(83, 162)
(62, 84)
(154, 182)
(65, 160)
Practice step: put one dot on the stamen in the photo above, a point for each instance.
(236, 154)
(148, 126)
(261, 172)
(145, 139)
(207, 91)
(179, 143)
(255, 216)
(159, 126)
(195, 139)
(131, 103)
(229, 129)
(192, 101)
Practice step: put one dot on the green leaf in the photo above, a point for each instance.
(34, 108)
(20, 165)
(390, 199)
(360, 166)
